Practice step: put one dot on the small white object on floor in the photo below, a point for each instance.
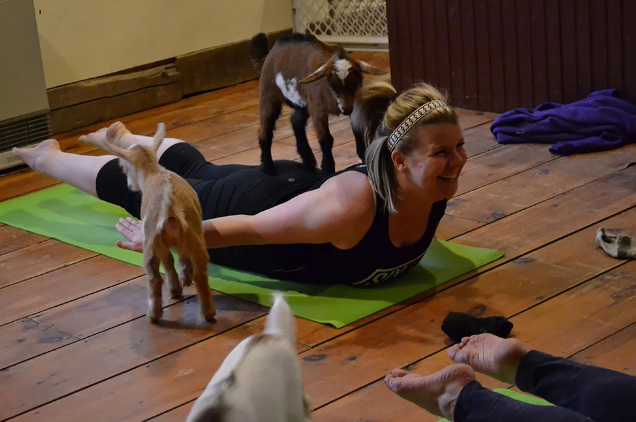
(621, 246)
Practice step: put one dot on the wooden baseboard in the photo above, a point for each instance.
(219, 67)
(107, 108)
(112, 96)
(111, 86)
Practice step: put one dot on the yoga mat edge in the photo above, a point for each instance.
(70, 216)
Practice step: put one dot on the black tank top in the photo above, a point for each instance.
(372, 261)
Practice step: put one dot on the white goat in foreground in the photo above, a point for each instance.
(260, 380)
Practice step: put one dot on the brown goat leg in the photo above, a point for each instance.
(328, 164)
(325, 139)
(200, 277)
(167, 260)
(185, 270)
(155, 304)
(299, 124)
(361, 147)
(269, 113)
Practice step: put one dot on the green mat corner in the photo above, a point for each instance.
(525, 398)
(71, 216)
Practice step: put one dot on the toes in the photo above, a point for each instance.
(394, 384)
(399, 373)
(463, 354)
(400, 381)
(461, 357)
(90, 139)
(452, 352)
(388, 379)
(395, 379)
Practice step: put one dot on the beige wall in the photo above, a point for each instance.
(82, 39)
(21, 66)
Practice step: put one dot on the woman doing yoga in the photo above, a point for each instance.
(362, 226)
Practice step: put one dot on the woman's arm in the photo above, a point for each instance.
(339, 212)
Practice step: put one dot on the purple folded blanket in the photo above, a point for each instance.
(600, 122)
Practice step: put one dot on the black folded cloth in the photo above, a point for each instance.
(458, 325)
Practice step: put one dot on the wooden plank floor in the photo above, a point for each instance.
(75, 344)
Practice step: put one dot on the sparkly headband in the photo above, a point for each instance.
(399, 132)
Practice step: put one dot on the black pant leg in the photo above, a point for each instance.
(478, 404)
(188, 162)
(602, 394)
(112, 187)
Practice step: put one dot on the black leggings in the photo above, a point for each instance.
(580, 393)
(222, 190)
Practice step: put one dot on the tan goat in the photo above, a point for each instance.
(171, 219)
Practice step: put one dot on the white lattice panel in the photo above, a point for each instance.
(343, 21)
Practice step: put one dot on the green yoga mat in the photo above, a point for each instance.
(519, 397)
(73, 217)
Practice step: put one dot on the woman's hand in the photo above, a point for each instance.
(131, 230)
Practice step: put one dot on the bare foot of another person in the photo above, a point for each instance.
(490, 355)
(436, 393)
(36, 157)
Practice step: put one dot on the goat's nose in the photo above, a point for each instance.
(347, 111)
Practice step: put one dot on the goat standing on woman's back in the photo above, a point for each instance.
(316, 80)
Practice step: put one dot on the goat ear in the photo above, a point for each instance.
(117, 151)
(372, 70)
(321, 72)
(159, 136)
(105, 145)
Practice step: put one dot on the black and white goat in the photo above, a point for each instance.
(316, 80)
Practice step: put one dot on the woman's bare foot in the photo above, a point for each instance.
(490, 355)
(113, 133)
(93, 137)
(116, 132)
(436, 393)
(36, 157)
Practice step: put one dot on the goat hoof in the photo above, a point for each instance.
(154, 318)
(155, 314)
(176, 293)
(269, 169)
(310, 162)
(328, 170)
(209, 315)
